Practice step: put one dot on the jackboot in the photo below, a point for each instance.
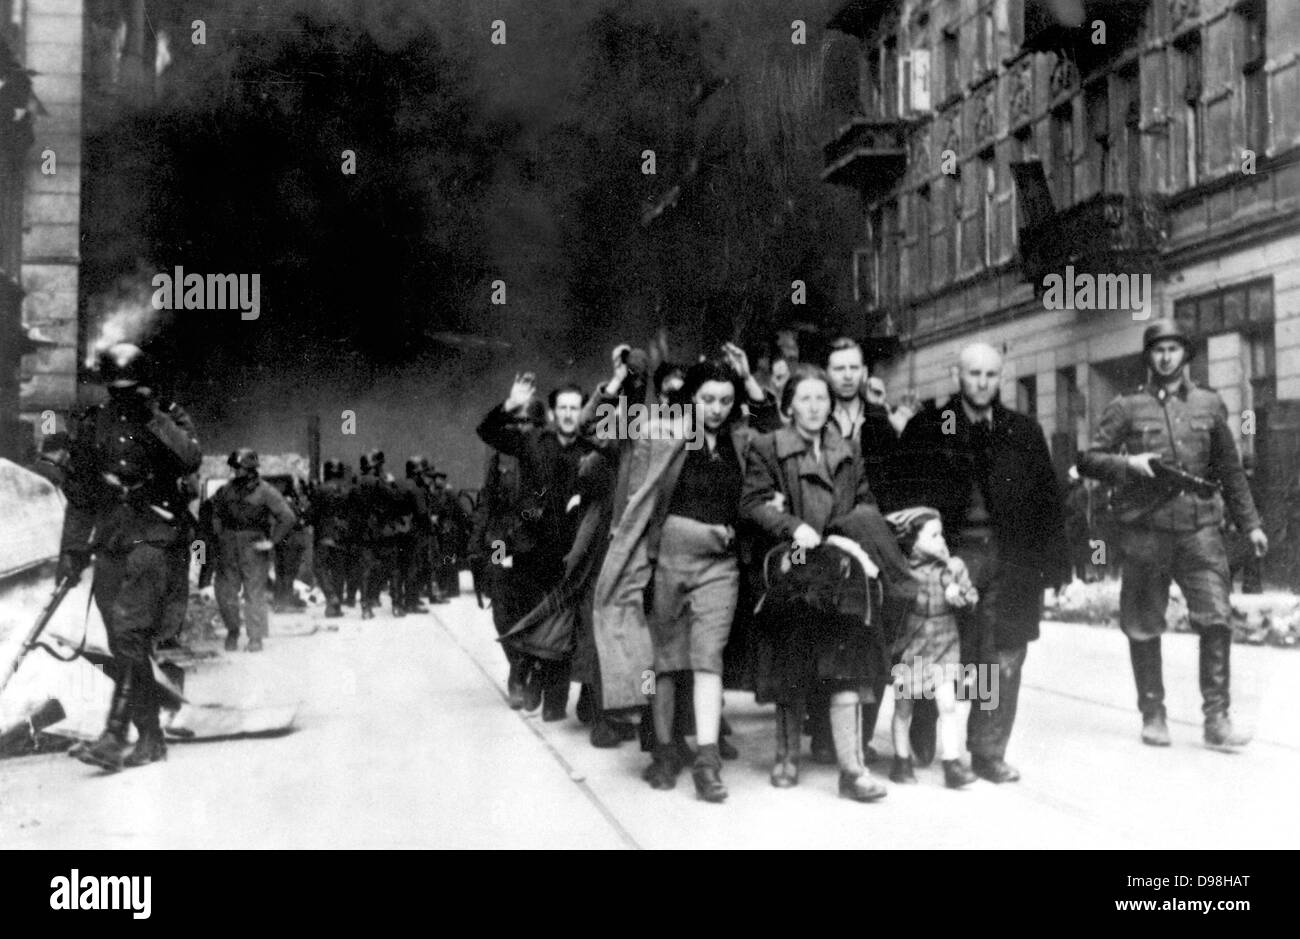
(1148, 674)
(1216, 647)
(515, 687)
(150, 747)
(109, 750)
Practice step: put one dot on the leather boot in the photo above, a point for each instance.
(1216, 647)
(846, 730)
(150, 747)
(663, 769)
(785, 771)
(955, 775)
(1148, 674)
(707, 774)
(109, 750)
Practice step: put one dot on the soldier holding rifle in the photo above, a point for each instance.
(1170, 451)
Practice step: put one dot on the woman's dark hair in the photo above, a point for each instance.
(664, 372)
(801, 371)
(712, 370)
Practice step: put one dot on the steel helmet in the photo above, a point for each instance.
(1166, 329)
(124, 365)
(243, 458)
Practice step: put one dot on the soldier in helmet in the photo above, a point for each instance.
(126, 508)
(383, 515)
(1171, 524)
(419, 470)
(329, 522)
(249, 517)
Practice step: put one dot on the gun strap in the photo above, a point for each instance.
(85, 632)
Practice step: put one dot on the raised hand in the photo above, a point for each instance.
(521, 392)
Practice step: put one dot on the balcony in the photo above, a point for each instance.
(1109, 233)
(867, 154)
(861, 17)
(1058, 24)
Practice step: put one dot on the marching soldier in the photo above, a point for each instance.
(380, 513)
(451, 526)
(290, 551)
(249, 517)
(126, 508)
(1169, 450)
(329, 521)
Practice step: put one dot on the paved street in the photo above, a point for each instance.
(404, 740)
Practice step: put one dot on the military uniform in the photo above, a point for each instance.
(1168, 533)
(378, 513)
(329, 522)
(246, 511)
(126, 507)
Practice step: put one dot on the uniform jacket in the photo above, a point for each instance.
(250, 505)
(1188, 427)
(1023, 495)
(328, 512)
(125, 478)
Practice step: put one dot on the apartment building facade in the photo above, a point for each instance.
(1002, 144)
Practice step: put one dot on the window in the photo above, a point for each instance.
(988, 206)
(922, 255)
(1096, 112)
(1027, 396)
(1232, 309)
(1188, 51)
(951, 64)
(1129, 107)
(1253, 78)
(987, 53)
(1063, 155)
(889, 75)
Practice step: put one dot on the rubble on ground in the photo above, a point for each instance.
(1269, 618)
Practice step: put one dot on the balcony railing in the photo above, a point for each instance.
(1109, 233)
(866, 154)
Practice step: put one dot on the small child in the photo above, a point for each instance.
(928, 651)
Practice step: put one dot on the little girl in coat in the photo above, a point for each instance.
(928, 651)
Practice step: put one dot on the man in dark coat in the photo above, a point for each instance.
(249, 518)
(988, 471)
(549, 459)
(451, 530)
(126, 507)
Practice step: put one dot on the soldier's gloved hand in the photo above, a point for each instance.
(1258, 541)
(262, 545)
(71, 564)
(1140, 463)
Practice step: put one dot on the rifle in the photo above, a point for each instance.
(32, 640)
(1176, 479)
